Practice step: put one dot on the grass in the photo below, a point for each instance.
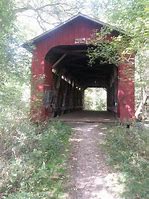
(128, 153)
(33, 160)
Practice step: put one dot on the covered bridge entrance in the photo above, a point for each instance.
(61, 72)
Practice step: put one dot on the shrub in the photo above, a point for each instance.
(33, 160)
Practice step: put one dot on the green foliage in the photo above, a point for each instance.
(108, 48)
(6, 19)
(128, 152)
(6, 26)
(14, 70)
(92, 101)
(131, 16)
(33, 160)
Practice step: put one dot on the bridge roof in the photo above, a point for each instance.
(79, 16)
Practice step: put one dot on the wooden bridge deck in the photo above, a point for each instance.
(88, 116)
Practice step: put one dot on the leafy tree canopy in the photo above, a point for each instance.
(132, 17)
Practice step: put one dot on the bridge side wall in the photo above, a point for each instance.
(126, 89)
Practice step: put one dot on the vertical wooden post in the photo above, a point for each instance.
(37, 87)
(41, 85)
(48, 90)
(126, 95)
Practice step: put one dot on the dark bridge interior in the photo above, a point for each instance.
(72, 75)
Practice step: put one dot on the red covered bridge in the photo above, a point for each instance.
(61, 73)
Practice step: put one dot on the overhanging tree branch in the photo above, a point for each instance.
(29, 7)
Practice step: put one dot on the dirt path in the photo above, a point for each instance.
(91, 178)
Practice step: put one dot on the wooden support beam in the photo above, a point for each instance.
(74, 51)
(59, 60)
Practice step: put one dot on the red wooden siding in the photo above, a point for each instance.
(42, 77)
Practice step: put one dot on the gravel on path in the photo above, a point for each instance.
(90, 176)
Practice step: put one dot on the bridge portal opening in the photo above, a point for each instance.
(95, 99)
(73, 76)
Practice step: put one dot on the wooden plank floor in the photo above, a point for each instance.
(88, 116)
